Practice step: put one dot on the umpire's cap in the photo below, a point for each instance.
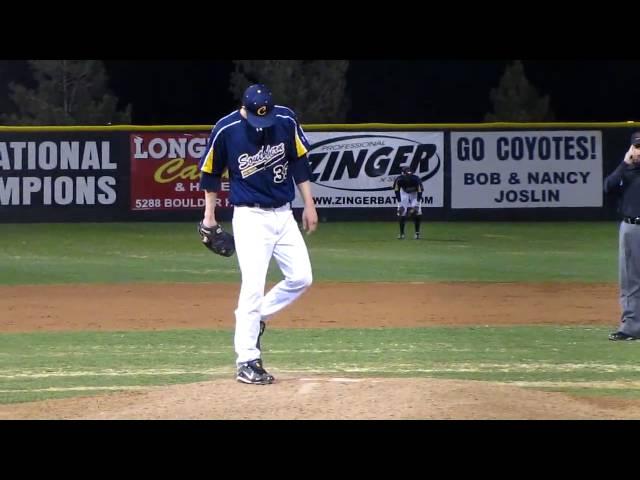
(635, 138)
(258, 102)
(407, 170)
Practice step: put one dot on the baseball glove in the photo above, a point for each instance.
(217, 240)
(411, 212)
(400, 211)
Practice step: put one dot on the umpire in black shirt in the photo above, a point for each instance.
(625, 179)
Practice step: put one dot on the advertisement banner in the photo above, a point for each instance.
(50, 171)
(164, 171)
(526, 169)
(357, 169)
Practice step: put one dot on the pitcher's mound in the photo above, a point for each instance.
(329, 398)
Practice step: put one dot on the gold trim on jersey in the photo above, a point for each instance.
(300, 148)
(207, 166)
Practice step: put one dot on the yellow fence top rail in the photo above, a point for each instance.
(333, 126)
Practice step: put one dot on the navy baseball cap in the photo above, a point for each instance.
(635, 138)
(406, 170)
(258, 102)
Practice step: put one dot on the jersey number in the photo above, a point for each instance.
(280, 173)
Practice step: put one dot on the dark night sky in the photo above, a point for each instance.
(396, 91)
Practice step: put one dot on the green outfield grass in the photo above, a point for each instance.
(454, 251)
(53, 365)
(572, 359)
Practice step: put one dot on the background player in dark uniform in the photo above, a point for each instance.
(264, 149)
(408, 190)
(625, 180)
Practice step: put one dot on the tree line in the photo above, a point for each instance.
(76, 92)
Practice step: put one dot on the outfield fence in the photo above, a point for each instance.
(487, 171)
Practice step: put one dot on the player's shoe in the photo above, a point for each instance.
(401, 236)
(416, 236)
(253, 373)
(262, 327)
(618, 336)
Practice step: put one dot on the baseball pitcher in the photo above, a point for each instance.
(264, 150)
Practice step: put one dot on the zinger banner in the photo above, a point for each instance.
(357, 169)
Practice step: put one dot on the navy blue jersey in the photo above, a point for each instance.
(408, 183)
(263, 164)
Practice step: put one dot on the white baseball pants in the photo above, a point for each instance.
(260, 234)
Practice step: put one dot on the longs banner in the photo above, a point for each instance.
(164, 171)
(526, 169)
(357, 169)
